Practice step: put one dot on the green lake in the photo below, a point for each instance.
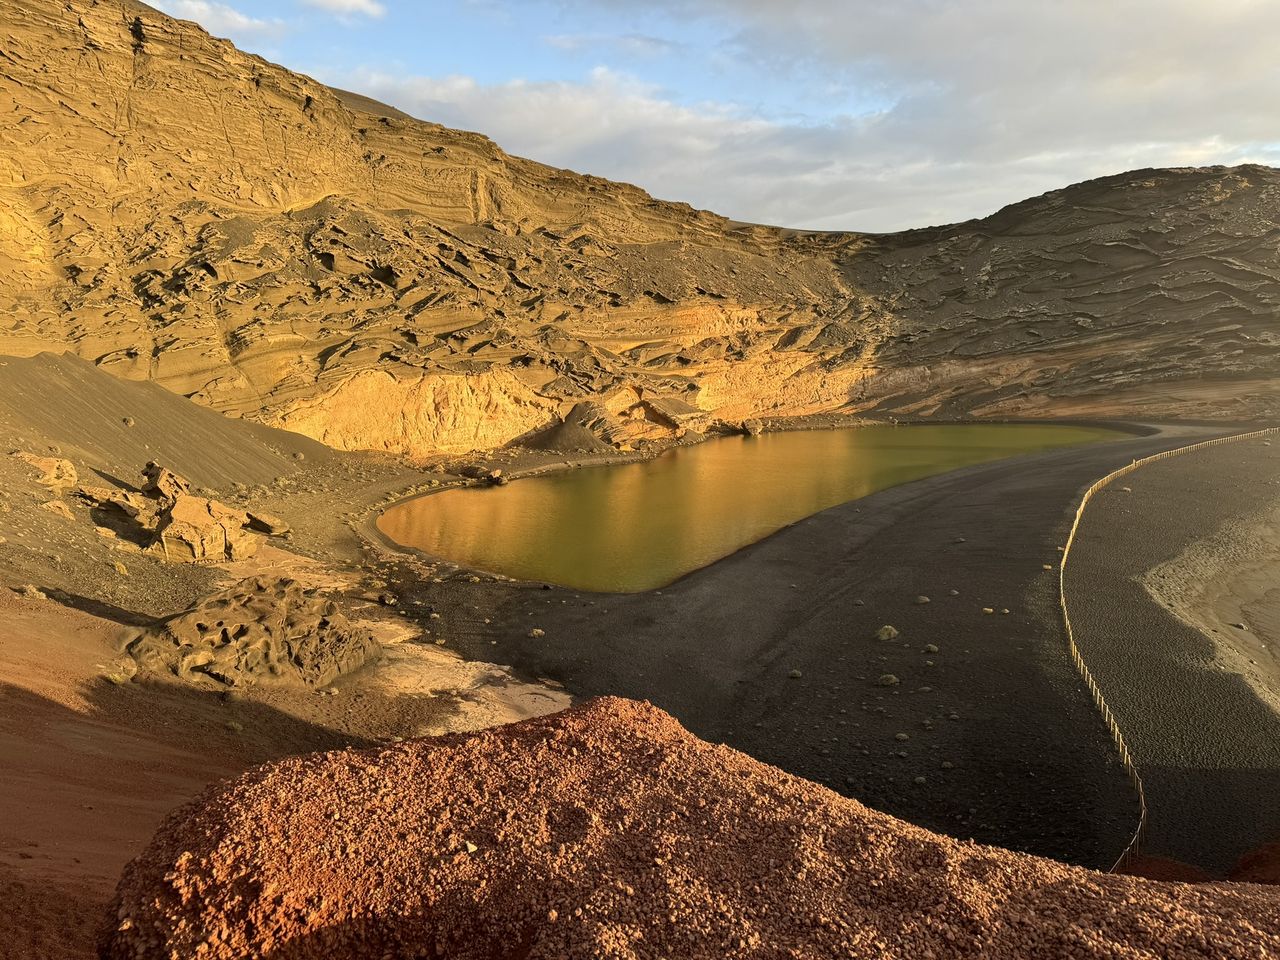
(637, 526)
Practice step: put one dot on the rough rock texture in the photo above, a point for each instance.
(195, 529)
(608, 831)
(1152, 292)
(258, 631)
(318, 259)
(54, 472)
(175, 524)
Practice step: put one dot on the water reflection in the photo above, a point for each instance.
(638, 526)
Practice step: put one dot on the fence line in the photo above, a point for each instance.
(1126, 758)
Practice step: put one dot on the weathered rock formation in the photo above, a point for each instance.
(173, 523)
(258, 631)
(317, 261)
(54, 472)
(608, 831)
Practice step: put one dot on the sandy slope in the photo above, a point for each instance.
(92, 764)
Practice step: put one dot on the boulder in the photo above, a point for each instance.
(162, 483)
(267, 523)
(194, 529)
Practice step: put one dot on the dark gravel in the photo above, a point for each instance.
(1207, 748)
(1025, 763)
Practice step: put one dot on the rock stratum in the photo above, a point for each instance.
(609, 831)
(173, 209)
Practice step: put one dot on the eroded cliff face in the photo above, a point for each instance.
(1151, 293)
(173, 209)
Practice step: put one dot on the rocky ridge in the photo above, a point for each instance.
(176, 210)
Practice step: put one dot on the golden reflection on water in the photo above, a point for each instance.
(638, 526)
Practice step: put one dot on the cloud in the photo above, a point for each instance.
(877, 172)
(347, 8)
(960, 107)
(221, 19)
(630, 44)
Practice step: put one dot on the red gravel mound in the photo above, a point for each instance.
(609, 831)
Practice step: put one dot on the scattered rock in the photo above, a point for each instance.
(887, 680)
(537, 632)
(129, 421)
(55, 472)
(267, 523)
(30, 591)
(58, 508)
(887, 632)
(930, 648)
(752, 427)
(795, 674)
(922, 599)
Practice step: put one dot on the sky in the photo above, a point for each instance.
(870, 115)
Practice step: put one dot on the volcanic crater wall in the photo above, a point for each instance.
(179, 211)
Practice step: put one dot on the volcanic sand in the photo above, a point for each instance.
(773, 651)
(1159, 573)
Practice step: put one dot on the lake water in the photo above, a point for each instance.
(637, 526)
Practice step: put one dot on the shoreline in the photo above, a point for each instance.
(368, 527)
(1227, 586)
(716, 646)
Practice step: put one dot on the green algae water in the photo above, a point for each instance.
(631, 527)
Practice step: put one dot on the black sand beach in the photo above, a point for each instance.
(773, 650)
(1198, 716)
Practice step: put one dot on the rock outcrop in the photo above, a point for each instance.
(608, 831)
(54, 472)
(173, 523)
(321, 259)
(258, 631)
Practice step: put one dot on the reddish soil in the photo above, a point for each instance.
(1163, 868)
(1259, 866)
(609, 831)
